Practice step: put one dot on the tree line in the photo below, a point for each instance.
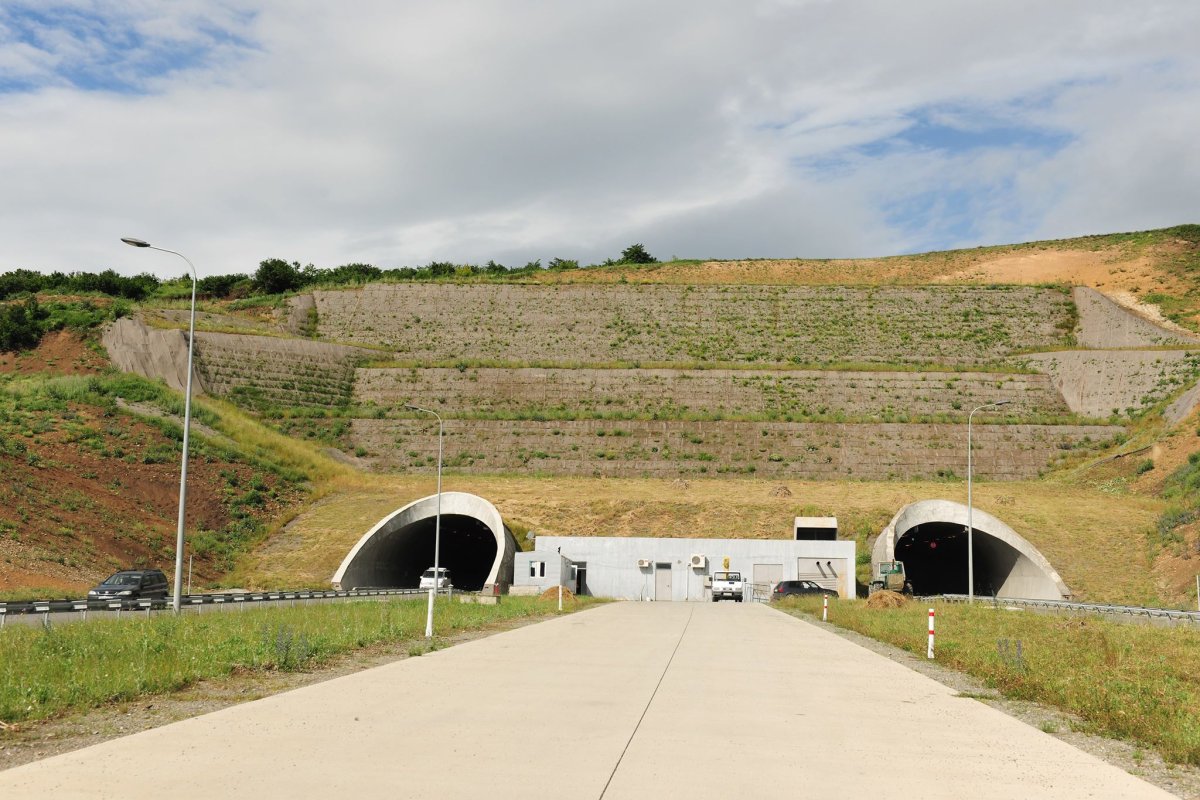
(274, 276)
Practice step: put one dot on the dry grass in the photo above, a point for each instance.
(1097, 541)
(886, 599)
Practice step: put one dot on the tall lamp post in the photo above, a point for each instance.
(187, 421)
(437, 525)
(970, 520)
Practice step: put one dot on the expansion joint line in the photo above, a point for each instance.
(653, 694)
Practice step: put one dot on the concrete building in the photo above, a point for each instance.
(644, 568)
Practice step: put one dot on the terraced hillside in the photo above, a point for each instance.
(698, 324)
(665, 371)
(701, 379)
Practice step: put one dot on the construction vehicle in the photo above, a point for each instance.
(891, 577)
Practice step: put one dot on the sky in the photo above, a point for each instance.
(396, 133)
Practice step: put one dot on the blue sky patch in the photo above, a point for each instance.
(80, 48)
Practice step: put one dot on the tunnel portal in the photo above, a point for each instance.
(930, 537)
(476, 546)
(935, 559)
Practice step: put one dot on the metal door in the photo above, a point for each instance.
(662, 581)
(820, 570)
(768, 575)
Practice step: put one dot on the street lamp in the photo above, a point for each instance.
(437, 525)
(970, 521)
(187, 421)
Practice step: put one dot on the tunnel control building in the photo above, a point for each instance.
(476, 546)
(680, 570)
(930, 537)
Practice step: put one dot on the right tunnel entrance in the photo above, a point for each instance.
(935, 560)
(930, 537)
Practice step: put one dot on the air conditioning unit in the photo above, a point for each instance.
(643, 563)
(699, 561)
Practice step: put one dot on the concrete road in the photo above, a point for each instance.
(630, 700)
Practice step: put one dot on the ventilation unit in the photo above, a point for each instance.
(699, 561)
(643, 563)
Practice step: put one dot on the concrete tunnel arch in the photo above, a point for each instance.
(477, 547)
(930, 537)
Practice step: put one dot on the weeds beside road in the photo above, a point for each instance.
(46, 672)
(1126, 681)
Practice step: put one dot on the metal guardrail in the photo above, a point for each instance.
(1169, 616)
(240, 600)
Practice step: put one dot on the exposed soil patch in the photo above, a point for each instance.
(85, 492)
(62, 352)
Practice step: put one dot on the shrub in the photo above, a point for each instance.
(636, 254)
(274, 275)
(21, 325)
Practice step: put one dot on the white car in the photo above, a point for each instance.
(442, 580)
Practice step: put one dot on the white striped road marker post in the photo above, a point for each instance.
(825, 610)
(929, 654)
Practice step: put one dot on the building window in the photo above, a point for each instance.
(537, 569)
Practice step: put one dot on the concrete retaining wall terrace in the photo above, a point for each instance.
(673, 448)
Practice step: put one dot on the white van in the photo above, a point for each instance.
(442, 582)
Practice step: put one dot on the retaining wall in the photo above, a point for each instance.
(676, 324)
(672, 448)
(666, 393)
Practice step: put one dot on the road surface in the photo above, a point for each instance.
(628, 700)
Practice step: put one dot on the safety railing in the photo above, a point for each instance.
(193, 602)
(1170, 616)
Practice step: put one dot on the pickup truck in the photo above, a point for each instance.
(727, 586)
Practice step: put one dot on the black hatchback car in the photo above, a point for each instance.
(131, 584)
(785, 588)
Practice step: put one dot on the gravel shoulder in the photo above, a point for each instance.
(1181, 780)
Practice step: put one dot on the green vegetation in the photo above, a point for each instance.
(1182, 491)
(22, 324)
(50, 671)
(1128, 681)
(258, 471)
(19, 282)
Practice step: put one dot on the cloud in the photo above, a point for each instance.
(396, 133)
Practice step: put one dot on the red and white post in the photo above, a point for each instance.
(929, 653)
(825, 610)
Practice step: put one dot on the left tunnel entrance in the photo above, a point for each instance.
(477, 547)
(468, 550)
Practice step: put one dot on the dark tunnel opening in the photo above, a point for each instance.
(468, 550)
(935, 559)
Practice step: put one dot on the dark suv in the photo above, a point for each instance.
(131, 584)
(786, 588)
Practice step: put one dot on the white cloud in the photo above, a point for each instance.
(396, 133)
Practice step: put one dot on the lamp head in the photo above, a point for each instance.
(1002, 403)
(132, 242)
